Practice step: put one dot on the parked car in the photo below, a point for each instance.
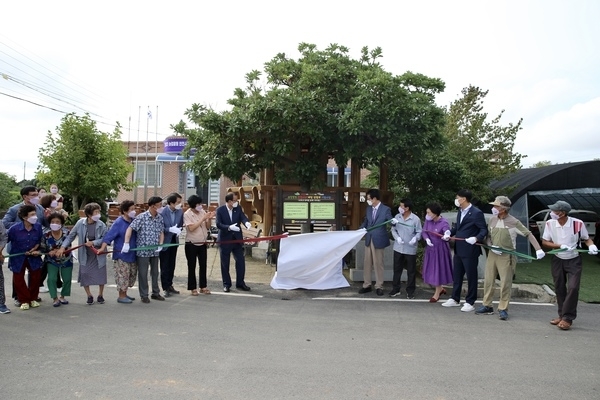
(537, 221)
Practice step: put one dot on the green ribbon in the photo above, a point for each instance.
(507, 251)
(382, 224)
(154, 247)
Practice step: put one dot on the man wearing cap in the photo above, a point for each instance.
(503, 229)
(564, 232)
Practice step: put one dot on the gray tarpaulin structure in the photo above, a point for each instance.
(532, 189)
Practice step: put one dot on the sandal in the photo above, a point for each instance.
(204, 290)
(555, 321)
(194, 292)
(564, 325)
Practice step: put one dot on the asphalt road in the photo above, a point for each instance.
(293, 345)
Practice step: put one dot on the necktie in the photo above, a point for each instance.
(374, 212)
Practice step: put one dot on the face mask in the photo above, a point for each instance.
(32, 220)
(160, 209)
(55, 227)
(370, 202)
(428, 217)
(554, 215)
(495, 211)
(131, 214)
(54, 190)
(236, 204)
(199, 208)
(456, 203)
(178, 206)
(401, 210)
(35, 201)
(96, 217)
(54, 204)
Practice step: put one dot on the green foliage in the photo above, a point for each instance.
(9, 191)
(484, 147)
(539, 164)
(324, 104)
(84, 162)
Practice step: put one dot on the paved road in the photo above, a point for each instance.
(230, 346)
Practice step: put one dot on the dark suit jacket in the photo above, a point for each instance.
(473, 224)
(223, 222)
(379, 236)
(166, 214)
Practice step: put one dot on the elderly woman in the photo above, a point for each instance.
(197, 225)
(124, 263)
(437, 262)
(25, 238)
(92, 266)
(57, 266)
(50, 205)
(59, 199)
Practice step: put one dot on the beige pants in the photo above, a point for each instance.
(503, 265)
(373, 258)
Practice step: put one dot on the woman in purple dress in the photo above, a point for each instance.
(437, 263)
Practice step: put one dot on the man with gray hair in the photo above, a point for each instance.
(503, 229)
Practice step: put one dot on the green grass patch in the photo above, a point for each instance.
(538, 272)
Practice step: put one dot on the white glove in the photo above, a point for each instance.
(593, 250)
(413, 241)
(495, 251)
(175, 230)
(540, 254)
(399, 240)
(446, 236)
(428, 241)
(567, 247)
(394, 221)
(125, 248)
(158, 249)
(248, 225)
(471, 240)
(234, 227)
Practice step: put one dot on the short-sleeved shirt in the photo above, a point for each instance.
(200, 233)
(148, 230)
(570, 233)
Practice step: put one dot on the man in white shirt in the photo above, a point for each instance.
(564, 232)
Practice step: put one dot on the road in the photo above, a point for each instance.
(294, 345)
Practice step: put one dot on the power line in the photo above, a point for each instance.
(34, 103)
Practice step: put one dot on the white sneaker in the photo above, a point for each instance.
(43, 289)
(450, 303)
(467, 308)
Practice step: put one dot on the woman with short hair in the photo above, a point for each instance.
(197, 225)
(59, 268)
(90, 231)
(437, 262)
(124, 263)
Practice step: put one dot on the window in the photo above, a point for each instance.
(332, 177)
(154, 176)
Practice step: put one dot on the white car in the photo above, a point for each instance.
(537, 222)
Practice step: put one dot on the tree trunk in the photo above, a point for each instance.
(75, 200)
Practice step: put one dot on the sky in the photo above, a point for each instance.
(539, 60)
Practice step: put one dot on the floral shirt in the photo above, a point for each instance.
(148, 230)
(50, 243)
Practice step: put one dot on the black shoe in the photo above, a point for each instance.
(100, 300)
(226, 289)
(166, 294)
(244, 288)
(172, 290)
(410, 296)
(365, 290)
(145, 300)
(157, 297)
(394, 292)
(379, 291)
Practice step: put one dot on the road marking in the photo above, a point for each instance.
(418, 301)
(237, 294)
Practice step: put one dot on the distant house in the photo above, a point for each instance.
(159, 173)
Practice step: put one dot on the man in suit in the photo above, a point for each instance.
(229, 220)
(376, 241)
(470, 228)
(173, 223)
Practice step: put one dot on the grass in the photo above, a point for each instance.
(538, 272)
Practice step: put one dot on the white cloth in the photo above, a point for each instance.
(314, 260)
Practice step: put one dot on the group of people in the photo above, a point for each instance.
(471, 234)
(36, 239)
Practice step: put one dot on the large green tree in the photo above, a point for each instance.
(483, 146)
(323, 104)
(9, 191)
(83, 161)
